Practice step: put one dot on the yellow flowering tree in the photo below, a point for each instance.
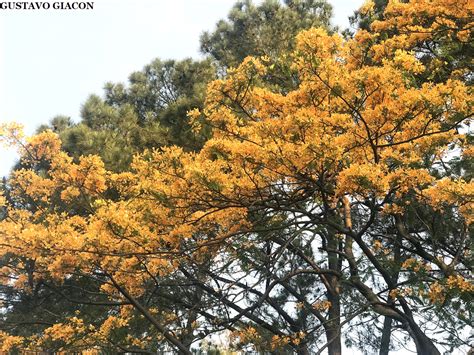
(305, 215)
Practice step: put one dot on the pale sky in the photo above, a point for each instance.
(51, 61)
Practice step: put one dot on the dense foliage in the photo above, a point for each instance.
(333, 206)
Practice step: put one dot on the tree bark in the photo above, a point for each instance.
(386, 334)
(424, 345)
(333, 327)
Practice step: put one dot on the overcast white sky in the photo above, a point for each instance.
(51, 61)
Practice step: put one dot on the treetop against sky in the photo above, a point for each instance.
(55, 60)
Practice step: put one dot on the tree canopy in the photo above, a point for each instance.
(336, 210)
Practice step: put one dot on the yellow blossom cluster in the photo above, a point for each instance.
(415, 265)
(322, 305)
(438, 291)
(248, 335)
(279, 341)
(9, 343)
(460, 283)
(11, 134)
(419, 20)
(44, 145)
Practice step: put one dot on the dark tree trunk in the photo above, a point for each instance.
(424, 345)
(333, 326)
(335, 347)
(386, 333)
(387, 324)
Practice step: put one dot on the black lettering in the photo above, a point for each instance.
(40, 5)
